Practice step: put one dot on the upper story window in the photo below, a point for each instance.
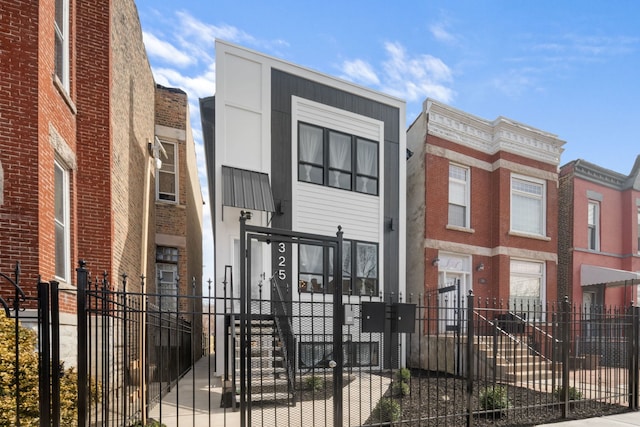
(458, 196)
(337, 159)
(593, 226)
(61, 220)
(62, 42)
(359, 261)
(528, 205)
(167, 176)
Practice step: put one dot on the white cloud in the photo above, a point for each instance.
(440, 33)
(361, 72)
(165, 51)
(411, 78)
(416, 77)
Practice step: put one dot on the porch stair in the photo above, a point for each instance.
(266, 365)
(513, 360)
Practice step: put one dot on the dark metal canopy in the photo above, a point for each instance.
(246, 189)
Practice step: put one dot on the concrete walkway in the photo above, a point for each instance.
(196, 402)
(619, 420)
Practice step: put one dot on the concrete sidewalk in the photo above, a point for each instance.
(618, 420)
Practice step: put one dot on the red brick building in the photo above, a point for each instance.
(599, 240)
(77, 172)
(482, 206)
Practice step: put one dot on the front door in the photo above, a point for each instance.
(449, 302)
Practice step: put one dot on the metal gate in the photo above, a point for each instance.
(288, 344)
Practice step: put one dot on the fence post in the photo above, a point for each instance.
(83, 374)
(469, 358)
(45, 359)
(566, 344)
(338, 320)
(632, 349)
(55, 353)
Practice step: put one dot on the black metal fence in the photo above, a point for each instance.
(474, 362)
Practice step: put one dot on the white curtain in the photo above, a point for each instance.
(367, 162)
(339, 155)
(310, 148)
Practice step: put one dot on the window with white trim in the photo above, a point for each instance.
(167, 176)
(336, 159)
(458, 196)
(593, 226)
(167, 273)
(526, 285)
(61, 29)
(359, 261)
(61, 221)
(528, 205)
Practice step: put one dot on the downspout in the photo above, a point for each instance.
(150, 163)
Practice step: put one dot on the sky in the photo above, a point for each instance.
(570, 68)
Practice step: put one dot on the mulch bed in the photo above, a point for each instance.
(437, 400)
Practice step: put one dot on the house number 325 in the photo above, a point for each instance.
(282, 261)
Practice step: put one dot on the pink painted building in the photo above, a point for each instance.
(599, 238)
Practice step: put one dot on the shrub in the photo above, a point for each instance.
(494, 398)
(401, 389)
(314, 383)
(387, 410)
(401, 386)
(28, 376)
(403, 375)
(574, 394)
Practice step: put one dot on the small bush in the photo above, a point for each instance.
(574, 394)
(403, 375)
(494, 398)
(387, 410)
(314, 383)
(401, 389)
(150, 423)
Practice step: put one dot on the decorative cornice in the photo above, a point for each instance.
(502, 134)
(599, 175)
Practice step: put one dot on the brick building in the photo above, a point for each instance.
(497, 232)
(599, 240)
(178, 207)
(76, 170)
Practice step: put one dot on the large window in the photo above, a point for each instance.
(319, 354)
(337, 159)
(458, 196)
(61, 29)
(167, 179)
(593, 226)
(61, 220)
(528, 205)
(167, 271)
(359, 268)
(526, 285)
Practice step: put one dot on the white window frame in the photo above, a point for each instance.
(175, 172)
(543, 203)
(595, 226)
(64, 222)
(467, 194)
(515, 303)
(62, 34)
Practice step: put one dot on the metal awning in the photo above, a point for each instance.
(246, 189)
(595, 275)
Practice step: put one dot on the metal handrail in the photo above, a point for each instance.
(279, 330)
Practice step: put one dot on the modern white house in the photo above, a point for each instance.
(307, 152)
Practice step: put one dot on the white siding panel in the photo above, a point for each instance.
(243, 139)
(336, 119)
(321, 209)
(243, 82)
